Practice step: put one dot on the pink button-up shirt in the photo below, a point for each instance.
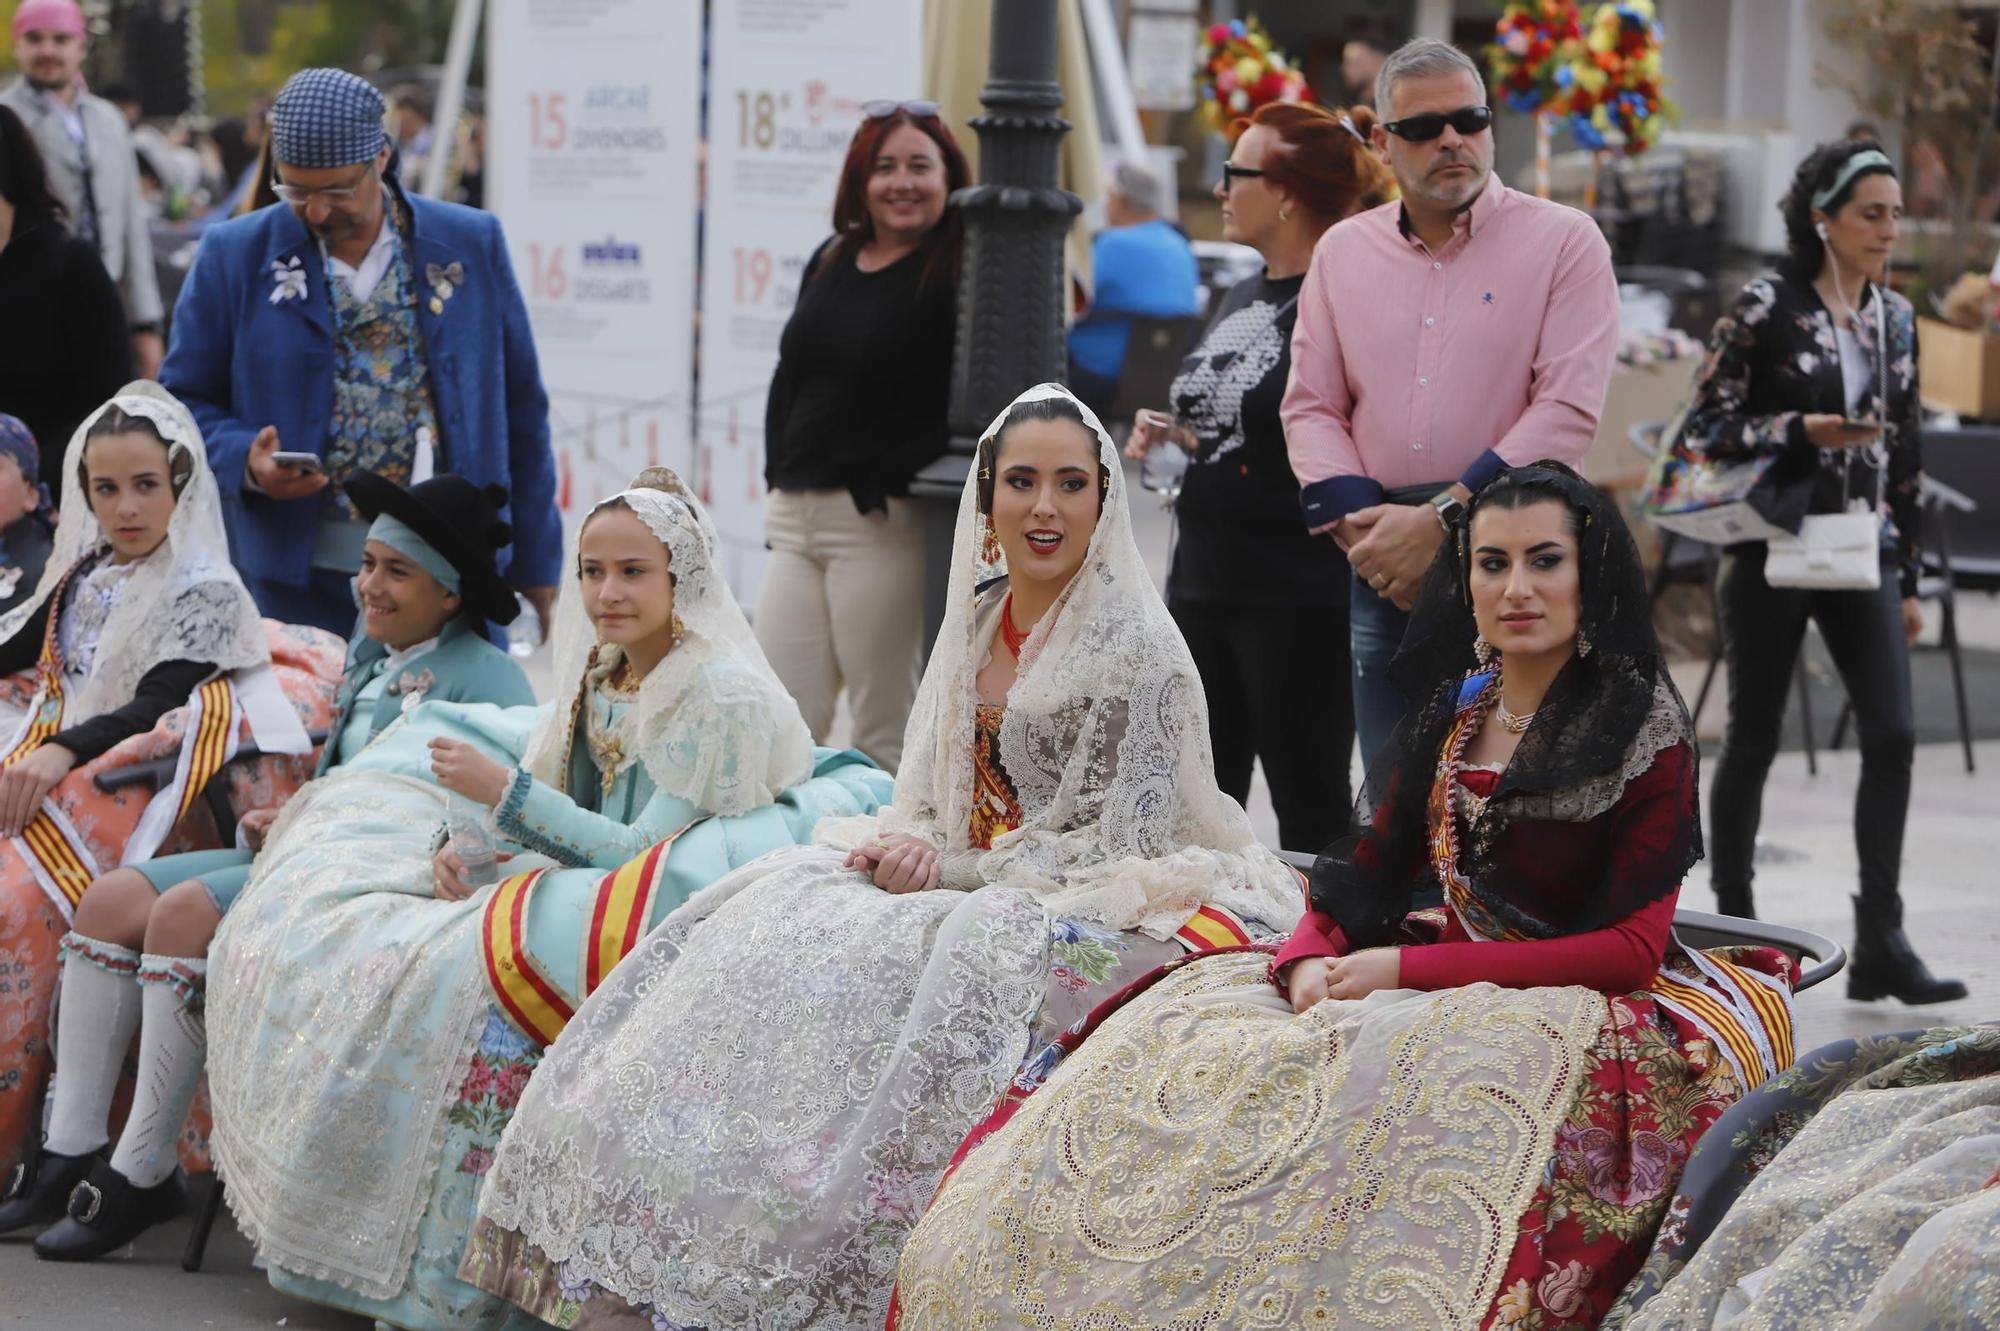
(1414, 368)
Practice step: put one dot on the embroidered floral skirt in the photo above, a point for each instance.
(33, 921)
(433, 1295)
(1200, 1155)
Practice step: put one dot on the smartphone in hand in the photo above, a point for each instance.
(303, 461)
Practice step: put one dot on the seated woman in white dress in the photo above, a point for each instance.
(739, 1128)
(138, 614)
(351, 971)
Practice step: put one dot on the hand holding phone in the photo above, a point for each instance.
(267, 467)
(303, 461)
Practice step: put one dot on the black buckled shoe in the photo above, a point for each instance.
(38, 1188)
(106, 1212)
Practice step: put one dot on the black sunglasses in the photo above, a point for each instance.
(878, 110)
(1231, 173)
(1467, 120)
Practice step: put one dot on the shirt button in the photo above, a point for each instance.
(1423, 383)
(1437, 265)
(1429, 322)
(1418, 446)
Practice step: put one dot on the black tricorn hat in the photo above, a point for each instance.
(460, 520)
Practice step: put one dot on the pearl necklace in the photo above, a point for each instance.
(1509, 722)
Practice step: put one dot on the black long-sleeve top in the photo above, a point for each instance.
(161, 689)
(1773, 359)
(858, 400)
(65, 343)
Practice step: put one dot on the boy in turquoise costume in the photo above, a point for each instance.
(427, 586)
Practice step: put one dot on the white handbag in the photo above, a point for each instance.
(1839, 551)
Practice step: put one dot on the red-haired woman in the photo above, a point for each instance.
(1262, 604)
(857, 407)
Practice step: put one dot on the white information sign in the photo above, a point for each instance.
(594, 114)
(1164, 50)
(787, 80)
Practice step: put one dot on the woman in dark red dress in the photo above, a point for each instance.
(1464, 1117)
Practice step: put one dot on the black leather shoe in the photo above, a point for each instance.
(1884, 965)
(106, 1212)
(38, 1188)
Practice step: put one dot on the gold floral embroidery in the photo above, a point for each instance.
(1207, 1159)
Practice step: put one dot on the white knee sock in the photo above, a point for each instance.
(94, 1025)
(173, 1043)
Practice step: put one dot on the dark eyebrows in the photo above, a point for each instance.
(1531, 550)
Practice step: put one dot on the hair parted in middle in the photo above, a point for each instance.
(854, 227)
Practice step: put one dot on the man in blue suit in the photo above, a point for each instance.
(374, 330)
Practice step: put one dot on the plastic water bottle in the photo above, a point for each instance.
(524, 635)
(1165, 462)
(469, 837)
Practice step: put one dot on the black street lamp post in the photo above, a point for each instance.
(1010, 294)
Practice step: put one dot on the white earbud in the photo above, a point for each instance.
(1821, 228)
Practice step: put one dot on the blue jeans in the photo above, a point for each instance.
(1375, 631)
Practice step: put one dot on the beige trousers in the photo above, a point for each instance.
(843, 606)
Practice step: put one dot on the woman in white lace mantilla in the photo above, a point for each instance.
(354, 969)
(740, 1127)
(137, 610)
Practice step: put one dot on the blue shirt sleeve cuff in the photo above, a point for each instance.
(1327, 502)
(1483, 469)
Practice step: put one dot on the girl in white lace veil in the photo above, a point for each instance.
(1105, 737)
(184, 601)
(684, 748)
(739, 1127)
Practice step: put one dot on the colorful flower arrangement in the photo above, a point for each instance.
(1241, 71)
(1589, 78)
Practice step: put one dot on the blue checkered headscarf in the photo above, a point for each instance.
(327, 118)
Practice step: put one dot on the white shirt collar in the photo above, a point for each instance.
(396, 660)
(362, 279)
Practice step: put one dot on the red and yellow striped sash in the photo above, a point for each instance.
(48, 701)
(1741, 1011)
(208, 744)
(1212, 927)
(528, 997)
(620, 916)
(623, 912)
(55, 853)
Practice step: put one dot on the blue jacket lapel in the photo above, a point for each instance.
(291, 242)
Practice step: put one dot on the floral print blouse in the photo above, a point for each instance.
(1774, 358)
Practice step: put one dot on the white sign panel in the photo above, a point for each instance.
(594, 113)
(787, 79)
(1164, 50)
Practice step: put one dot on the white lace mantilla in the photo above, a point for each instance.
(183, 602)
(711, 723)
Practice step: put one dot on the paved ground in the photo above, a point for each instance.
(1949, 885)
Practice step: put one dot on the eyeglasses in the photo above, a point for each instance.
(1467, 120)
(299, 196)
(883, 108)
(1231, 173)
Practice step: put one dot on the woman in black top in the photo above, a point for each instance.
(64, 343)
(1262, 604)
(1797, 371)
(856, 409)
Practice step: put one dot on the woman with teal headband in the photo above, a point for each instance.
(1813, 375)
(426, 589)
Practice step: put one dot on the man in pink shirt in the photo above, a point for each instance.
(1466, 329)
